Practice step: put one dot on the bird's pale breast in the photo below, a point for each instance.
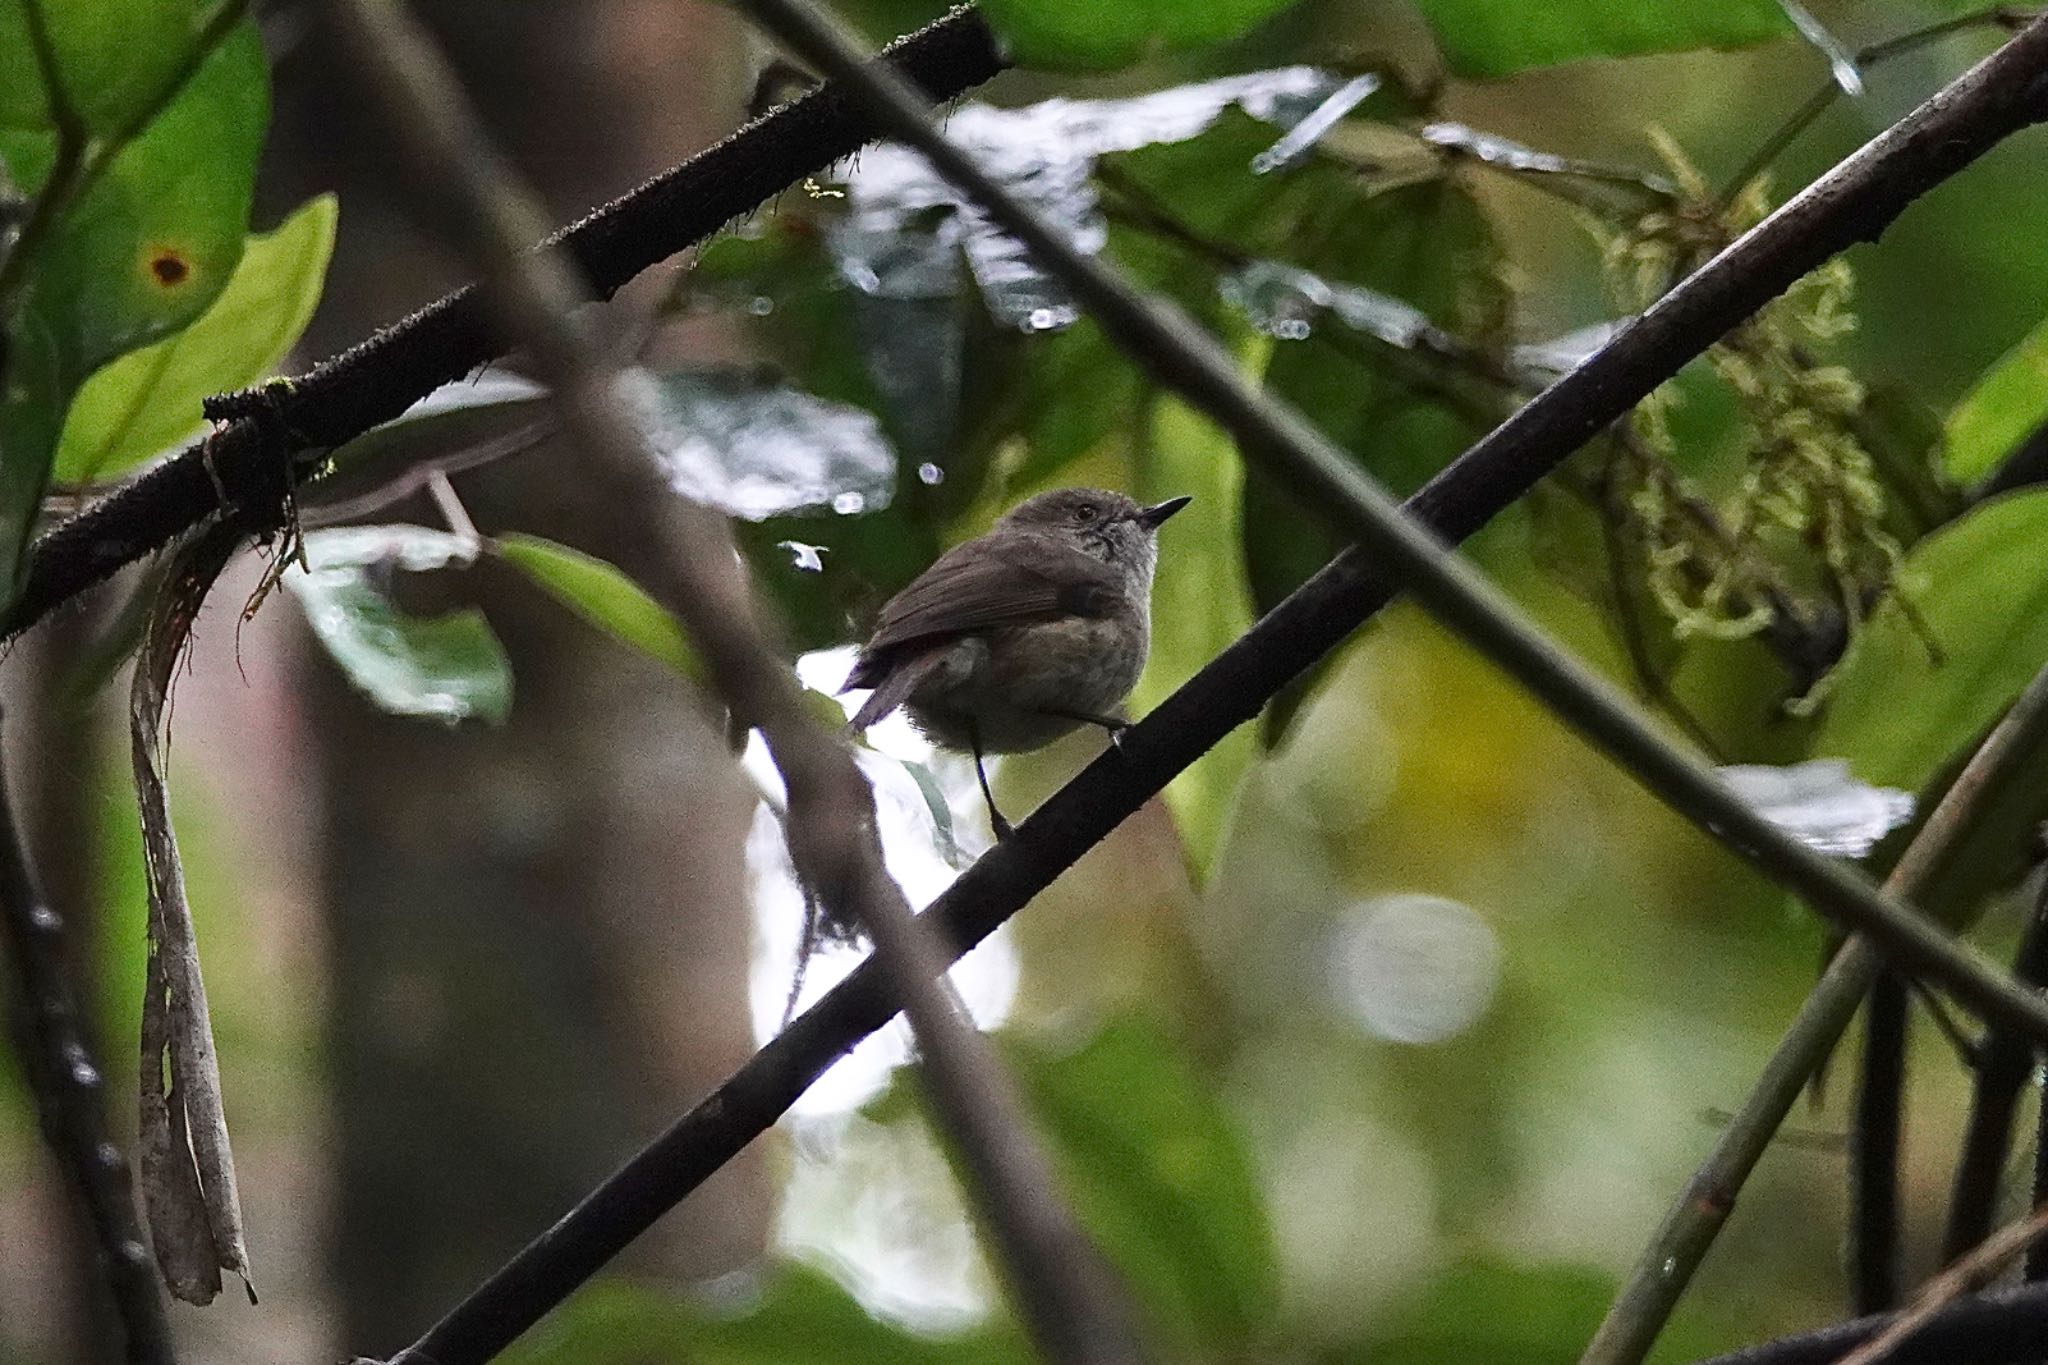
(1015, 682)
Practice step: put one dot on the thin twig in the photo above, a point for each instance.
(2009, 17)
(1185, 358)
(1854, 201)
(2002, 1071)
(69, 1089)
(1064, 1290)
(1973, 1271)
(1674, 1253)
(1873, 1243)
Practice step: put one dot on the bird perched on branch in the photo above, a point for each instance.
(1017, 637)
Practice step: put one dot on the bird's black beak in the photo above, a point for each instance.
(1151, 517)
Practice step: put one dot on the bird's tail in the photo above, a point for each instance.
(899, 678)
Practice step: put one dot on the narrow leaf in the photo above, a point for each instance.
(188, 1172)
(601, 593)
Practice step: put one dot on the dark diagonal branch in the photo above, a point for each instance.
(345, 396)
(2005, 1327)
(69, 1091)
(1853, 202)
(1874, 1139)
(2001, 1072)
(1065, 1292)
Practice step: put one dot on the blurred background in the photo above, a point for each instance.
(1405, 1013)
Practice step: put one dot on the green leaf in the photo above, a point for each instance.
(446, 668)
(151, 245)
(1431, 247)
(1159, 1176)
(2009, 402)
(602, 594)
(1200, 600)
(1496, 37)
(1980, 586)
(145, 251)
(1090, 35)
(801, 1314)
(114, 57)
(148, 400)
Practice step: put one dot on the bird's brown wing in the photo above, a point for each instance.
(983, 585)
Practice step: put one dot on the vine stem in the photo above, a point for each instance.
(1674, 1253)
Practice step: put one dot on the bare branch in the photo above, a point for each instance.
(1065, 1291)
(2008, 754)
(69, 1088)
(1973, 1271)
(1874, 1134)
(2005, 1327)
(2001, 1072)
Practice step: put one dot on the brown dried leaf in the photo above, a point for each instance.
(195, 1215)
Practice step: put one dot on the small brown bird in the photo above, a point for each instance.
(1017, 637)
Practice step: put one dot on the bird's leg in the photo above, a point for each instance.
(1113, 726)
(995, 817)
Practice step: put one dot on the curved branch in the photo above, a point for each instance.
(2005, 1327)
(374, 382)
(1853, 202)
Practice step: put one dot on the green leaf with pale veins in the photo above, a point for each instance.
(601, 593)
(447, 668)
(1089, 35)
(1497, 37)
(2008, 404)
(148, 400)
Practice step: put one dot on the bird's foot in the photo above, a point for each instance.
(1003, 828)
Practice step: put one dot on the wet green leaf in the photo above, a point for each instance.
(601, 593)
(148, 400)
(2009, 402)
(1088, 35)
(447, 668)
(1495, 37)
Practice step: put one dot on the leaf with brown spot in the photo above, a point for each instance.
(188, 1173)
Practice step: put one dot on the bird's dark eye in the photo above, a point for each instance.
(1086, 513)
